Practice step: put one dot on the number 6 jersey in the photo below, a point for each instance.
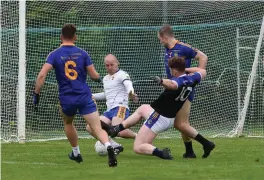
(170, 101)
(69, 63)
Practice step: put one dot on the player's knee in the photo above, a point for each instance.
(180, 125)
(143, 109)
(177, 125)
(137, 149)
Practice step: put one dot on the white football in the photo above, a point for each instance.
(100, 149)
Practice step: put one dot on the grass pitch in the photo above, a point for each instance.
(232, 159)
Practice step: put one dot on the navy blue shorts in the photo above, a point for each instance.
(85, 107)
(119, 111)
(191, 96)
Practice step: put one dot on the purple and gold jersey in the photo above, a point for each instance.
(182, 50)
(69, 63)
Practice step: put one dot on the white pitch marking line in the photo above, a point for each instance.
(33, 163)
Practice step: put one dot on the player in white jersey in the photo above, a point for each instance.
(118, 89)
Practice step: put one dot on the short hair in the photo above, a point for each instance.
(177, 63)
(68, 31)
(166, 30)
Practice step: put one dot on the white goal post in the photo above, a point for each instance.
(21, 113)
(238, 129)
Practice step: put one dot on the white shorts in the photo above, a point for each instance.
(158, 123)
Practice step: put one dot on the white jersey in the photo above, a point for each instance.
(115, 91)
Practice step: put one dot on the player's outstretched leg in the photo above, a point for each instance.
(145, 137)
(185, 128)
(127, 133)
(183, 116)
(72, 136)
(93, 121)
(143, 144)
(132, 120)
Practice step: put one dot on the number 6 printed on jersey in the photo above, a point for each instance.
(70, 73)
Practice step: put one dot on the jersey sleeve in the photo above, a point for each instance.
(50, 58)
(124, 76)
(87, 59)
(189, 80)
(178, 81)
(197, 77)
(190, 52)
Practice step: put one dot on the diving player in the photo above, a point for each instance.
(161, 114)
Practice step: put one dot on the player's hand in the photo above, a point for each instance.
(94, 100)
(133, 96)
(99, 80)
(157, 79)
(35, 100)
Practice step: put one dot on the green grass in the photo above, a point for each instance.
(240, 158)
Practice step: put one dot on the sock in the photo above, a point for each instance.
(157, 152)
(104, 126)
(188, 147)
(119, 128)
(107, 144)
(201, 140)
(76, 151)
(113, 143)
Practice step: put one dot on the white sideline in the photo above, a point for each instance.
(33, 163)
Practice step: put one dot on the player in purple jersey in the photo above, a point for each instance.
(71, 65)
(176, 48)
(160, 114)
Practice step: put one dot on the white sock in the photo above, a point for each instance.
(113, 143)
(107, 144)
(76, 151)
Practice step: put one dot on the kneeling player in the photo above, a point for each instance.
(160, 115)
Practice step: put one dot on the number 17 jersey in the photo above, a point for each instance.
(69, 63)
(171, 101)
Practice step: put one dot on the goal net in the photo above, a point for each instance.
(227, 32)
(253, 119)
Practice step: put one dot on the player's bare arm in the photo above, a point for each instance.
(202, 58)
(42, 76)
(196, 69)
(169, 84)
(92, 73)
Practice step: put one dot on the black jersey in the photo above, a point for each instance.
(171, 101)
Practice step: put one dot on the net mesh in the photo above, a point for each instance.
(9, 69)
(129, 30)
